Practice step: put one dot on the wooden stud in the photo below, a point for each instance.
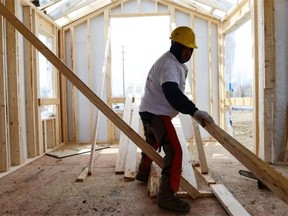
(74, 89)
(211, 104)
(221, 80)
(90, 80)
(63, 89)
(257, 77)
(30, 92)
(4, 125)
(38, 122)
(107, 71)
(57, 90)
(193, 67)
(200, 148)
(16, 139)
(269, 81)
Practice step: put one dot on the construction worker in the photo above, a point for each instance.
(163, 99)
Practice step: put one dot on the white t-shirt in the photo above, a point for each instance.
(166, 69)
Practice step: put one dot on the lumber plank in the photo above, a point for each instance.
(4, 152)
(153, 180)
(30, 84)
(200, 148)
(123, 143)
(275, 181)
(131, 156)
(228, 201)
(13, 87)
(207, 178)
(83, 175)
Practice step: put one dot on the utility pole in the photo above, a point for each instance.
(123, 69)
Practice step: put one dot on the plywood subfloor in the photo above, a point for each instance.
(47, 187)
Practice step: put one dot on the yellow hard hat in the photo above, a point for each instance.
(185, 36)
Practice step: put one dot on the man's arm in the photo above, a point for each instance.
(177, 99)
(181, 103)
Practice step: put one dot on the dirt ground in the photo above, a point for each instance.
(47, 186)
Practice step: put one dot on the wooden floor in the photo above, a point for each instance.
(47, 186)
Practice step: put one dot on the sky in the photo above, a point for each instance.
(140, 41)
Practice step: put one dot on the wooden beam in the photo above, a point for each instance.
(48, 101)
(256, 75)
(4, 125)
(131, 156)
(30, 84)
(269, 176)
(237, 16)
(200, 148)
(269, 41)
(269, 154)
(16, 139)
(228, 201)
(73, 89)
(239, 101)
(275, 181)
(123, 143)
(205, 176)
(63, 89)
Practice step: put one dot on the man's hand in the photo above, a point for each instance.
(202, 117)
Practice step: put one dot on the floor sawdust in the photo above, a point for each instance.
(47, 186)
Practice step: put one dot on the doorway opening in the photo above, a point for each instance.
(136, 42)
(239, 82)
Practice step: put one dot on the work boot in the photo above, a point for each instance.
(166, 197)
(144, 169)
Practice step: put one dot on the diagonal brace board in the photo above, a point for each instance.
(270, 177)
(91, 96)
(275, 181)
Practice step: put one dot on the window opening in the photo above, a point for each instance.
(46, 78)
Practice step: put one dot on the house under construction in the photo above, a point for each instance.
(73, 71)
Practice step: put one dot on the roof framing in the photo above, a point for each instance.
(70, 9)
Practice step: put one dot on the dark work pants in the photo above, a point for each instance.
(159, 131)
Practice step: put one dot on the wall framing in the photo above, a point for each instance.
(21, 130)
(14, 125)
